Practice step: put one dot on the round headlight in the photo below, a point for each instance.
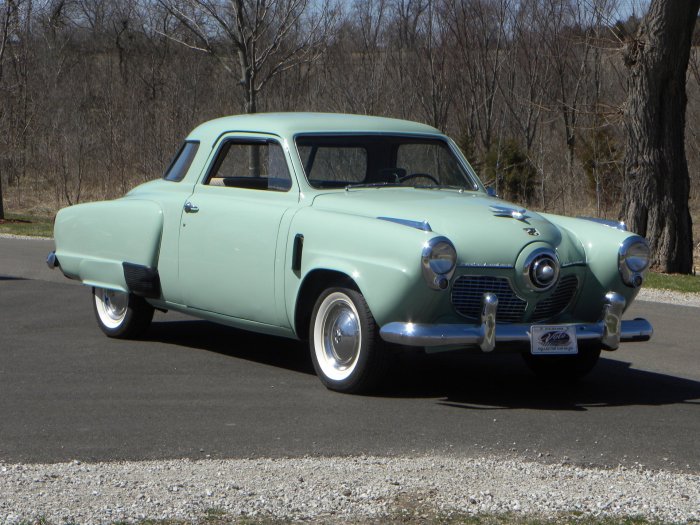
(442, 257)
(439, 259)
(633, 259)
(637, 257)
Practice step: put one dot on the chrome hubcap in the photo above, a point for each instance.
(341, 335)
(337, 336)
(115, 303)
(111, 307)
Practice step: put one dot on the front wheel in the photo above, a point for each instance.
(120, 314)
(346, 350)
(564, 367)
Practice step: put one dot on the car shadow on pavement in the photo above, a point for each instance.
(495, 382)
(269, 350)
(468, 381)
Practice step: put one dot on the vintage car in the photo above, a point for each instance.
(362, 235)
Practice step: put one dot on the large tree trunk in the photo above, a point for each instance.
(656, 172)
(2, 205)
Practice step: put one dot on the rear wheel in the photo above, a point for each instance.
(120, 314)
(564, 367)
(346, 350)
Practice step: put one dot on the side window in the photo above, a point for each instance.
(182, 162)
(254, 165)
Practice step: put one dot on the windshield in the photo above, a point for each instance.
(380, 160)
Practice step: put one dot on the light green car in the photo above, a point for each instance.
(362, 235)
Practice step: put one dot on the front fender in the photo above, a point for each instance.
(382, 258)
(601, 244)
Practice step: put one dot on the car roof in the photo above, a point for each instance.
(290, 124)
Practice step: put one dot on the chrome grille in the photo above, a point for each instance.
(558, 301)
(468, 290)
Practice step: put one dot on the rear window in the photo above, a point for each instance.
(182, 162)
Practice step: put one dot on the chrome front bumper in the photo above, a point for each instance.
(610, 331)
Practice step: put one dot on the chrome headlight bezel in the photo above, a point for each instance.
(439, 261)
(541, 270)
(633, 258)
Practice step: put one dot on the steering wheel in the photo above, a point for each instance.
(416, 176)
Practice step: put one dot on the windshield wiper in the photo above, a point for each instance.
(404, 185)
(374, 185)
(440, 187)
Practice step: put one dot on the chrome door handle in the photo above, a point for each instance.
(190, 208)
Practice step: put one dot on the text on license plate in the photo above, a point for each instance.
(553, 340)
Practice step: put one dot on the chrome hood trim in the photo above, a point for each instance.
(418, 225)
(618, 225)
(499, 266)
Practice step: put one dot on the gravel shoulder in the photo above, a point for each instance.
(669, 297)
(24, 237)
(338, 489)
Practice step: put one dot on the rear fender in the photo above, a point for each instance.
(94, 239)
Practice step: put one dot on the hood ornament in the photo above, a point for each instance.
(519, 214)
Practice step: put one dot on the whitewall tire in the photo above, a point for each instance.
(120, 314)
(346, 351)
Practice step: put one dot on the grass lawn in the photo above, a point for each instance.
(27, 225)
(678, 283)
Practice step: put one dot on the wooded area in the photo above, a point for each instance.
(97, 94)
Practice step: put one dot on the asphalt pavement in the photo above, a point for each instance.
(195, 389)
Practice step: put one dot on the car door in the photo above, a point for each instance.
(229, 229)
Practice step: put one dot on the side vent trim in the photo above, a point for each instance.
(297, 252)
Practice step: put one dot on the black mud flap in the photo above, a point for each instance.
(142, 280)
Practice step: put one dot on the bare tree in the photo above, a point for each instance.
(527, 71)
(355, 69)
(7, 14)
(264, 37)
(14, 33)
(478, 29)
(436, 98)
(568, 48)
(657, 183)
(404, 42)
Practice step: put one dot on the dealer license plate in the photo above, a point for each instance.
(553, 340)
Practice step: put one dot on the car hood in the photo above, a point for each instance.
(482, 228)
